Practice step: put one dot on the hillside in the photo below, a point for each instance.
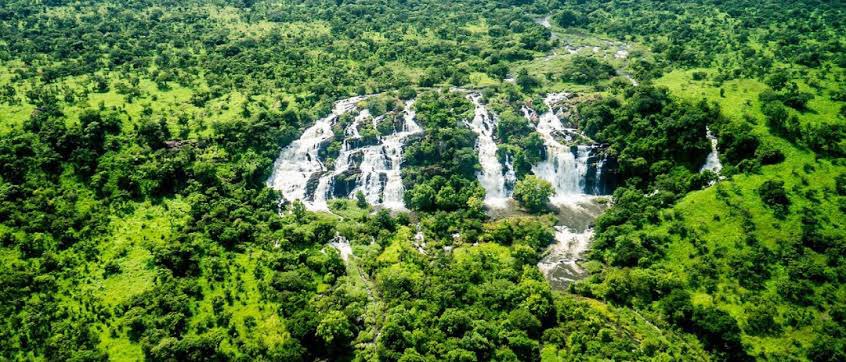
(422, 180)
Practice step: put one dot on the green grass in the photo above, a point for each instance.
(347, 209)
(127, 245)
(12, 116)
(499, 254)
(481, 80)
(478, 28)
(718, 225)
(247, 303)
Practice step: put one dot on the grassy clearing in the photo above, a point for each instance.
(499, 254)
(12, 116)
(128, 248)
(347, 209)
(242, 301)
(481, 80)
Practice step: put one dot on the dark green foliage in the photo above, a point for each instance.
(738, 142)
(761, 320)
(650, 128)
(773, 195)
(533, 193)
(441, 167)
(586, 70)
(360, 201)
(719, 332)
(768, 154)
(518, 143)
(153, 133)
(137, 138)
(840, 184)
(160, 313)
(570, 18)
(526, 81)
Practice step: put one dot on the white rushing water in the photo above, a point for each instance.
(298, 162)
(544, 21)
(343, 246)
(712, 162)
(491, 177)
(561, 266)
(378, 165)
(342, 164)
(565, 166)
(381, 164)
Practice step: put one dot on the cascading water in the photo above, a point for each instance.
(381, 178)
(560, 266)
(597, 185)
(712, 162)
(298, 162)
(343, 246)
(342, 164)
(510, 174)
(491, 177)
(566, 167)
(300, 174)
(575, 172)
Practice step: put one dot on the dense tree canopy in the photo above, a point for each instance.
(136, 141)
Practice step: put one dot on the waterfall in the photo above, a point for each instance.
(560, 265)
(712, 162)
(301, 175)
(381, 178)
(342, 164)
(597, 184)
(566, 167)
(510, 174)
(393, 192)
(298, 162)
(574, 166)
(491, 176)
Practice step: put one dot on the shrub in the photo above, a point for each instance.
(533, 193)
(773, 195)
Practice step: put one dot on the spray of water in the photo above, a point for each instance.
(301, 175)
(298, 162)
(491, 176)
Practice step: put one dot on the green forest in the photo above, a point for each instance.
(422, 180)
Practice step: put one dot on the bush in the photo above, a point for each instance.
(533, 193)
(569, 18)
(586, 70)
(719, 332)
(773, 195)
(768, 154)
(840, 184)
